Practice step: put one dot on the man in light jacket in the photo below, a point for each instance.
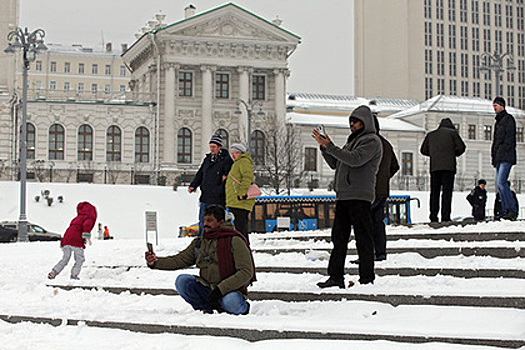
(356, 165)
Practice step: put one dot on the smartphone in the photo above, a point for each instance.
(320, 130)
(150, 247)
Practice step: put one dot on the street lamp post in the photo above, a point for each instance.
(29, 43)
(249, 105)
(495, 62)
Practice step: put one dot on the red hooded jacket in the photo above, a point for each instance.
(83, 222)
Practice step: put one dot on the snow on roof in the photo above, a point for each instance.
(346, 103)
(387, 124)
(79, 48)
(455, 104)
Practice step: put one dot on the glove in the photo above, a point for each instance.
(242, 197)
(215, 296)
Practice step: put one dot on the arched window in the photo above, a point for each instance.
(56, 142)
(184, 145)
(142, 145)
(85, 142)
(225, 137)
(30, 141)
(113, 145)
(257, 147)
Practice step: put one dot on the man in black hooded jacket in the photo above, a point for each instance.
(442, 145)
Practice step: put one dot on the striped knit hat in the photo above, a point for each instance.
(216, 139)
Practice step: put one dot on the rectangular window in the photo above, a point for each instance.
(81, 68)
(185, 84)
(94, 88)
(510, 94)
(439, 9)
(476, 89)
(310, 159)
(428, 34)
(67, 67)
(486, 13)
(472, 132)
(428, 61)
(440, 35)
(464, 65)
(497, 15)
(407, 164)
(451, 36)
(67, 86)
(258, 87)
(475, 39)
(429, 92)
(464, 88)
(521, 44)
(463, 11)
(80, 87)
(488, 91)
(463, 40)
(487, 132)
(510, 42)
(486, 40)
(38, 66)
(508, 17)
(453, 87)
(519, 18)
(107, 70)
(52, 85)
(428, 9)
(440, 86)
(122, 71)
(122, 88)
(452, 10)
(53, 67)
(94, 69)
(107, 88)
(475, 12)
(222, 85)
(475, 66)
(441, 62)
(498, 41)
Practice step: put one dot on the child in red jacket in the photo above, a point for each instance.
(74, 240)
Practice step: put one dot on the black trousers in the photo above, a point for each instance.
(441, 180)
(378, 226)
(348, 214)
(241, 221)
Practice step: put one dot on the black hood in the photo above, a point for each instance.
(446, 123)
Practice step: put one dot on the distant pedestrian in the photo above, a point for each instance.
(478, 199)
(211, 177)
(74, 240)
(100, 231)
(442, 145)
(239, 179)
(498, 212)
(106, 233)
(503, 152)
(356, 165)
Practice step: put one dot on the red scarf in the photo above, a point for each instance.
(224, 252)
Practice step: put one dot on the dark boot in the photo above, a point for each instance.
(332, 283)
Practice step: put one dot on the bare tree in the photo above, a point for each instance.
(283, 154)
(114, 172)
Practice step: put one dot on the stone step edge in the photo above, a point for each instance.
(392, 299)
(456, 237)
(254, 335)
(380, 271)
(426, 252)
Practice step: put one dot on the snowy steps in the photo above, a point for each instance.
(390, 298)
(254, 335)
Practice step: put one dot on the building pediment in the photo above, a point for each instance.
(229, 22)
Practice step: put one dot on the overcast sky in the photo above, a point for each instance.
(323, 62)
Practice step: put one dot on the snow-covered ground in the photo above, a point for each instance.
(24, 267)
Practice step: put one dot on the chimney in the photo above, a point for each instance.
(124, 47)
(109, 47)
(189, 11)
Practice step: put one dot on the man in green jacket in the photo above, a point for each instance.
(225, 263)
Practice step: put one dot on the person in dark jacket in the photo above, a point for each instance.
(478, 199)
(387, 169)
(211, 178)
(498, 212)
(503, 153)
(74, 239)
(225, 263)
(442, 145)
(356, 165)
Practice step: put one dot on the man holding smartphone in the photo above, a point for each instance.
(356, 165)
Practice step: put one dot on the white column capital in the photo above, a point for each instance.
(206, 68)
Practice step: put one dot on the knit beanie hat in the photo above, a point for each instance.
(500, 101)
(216, 139)
(238, 147)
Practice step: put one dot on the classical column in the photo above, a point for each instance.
(169, 150)
(244, 94)
(206, 123)
(280, 92)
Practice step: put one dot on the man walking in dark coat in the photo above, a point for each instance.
(478, 199)
(442, 145)
(211, 177)
(356, 166)
(503, 154)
